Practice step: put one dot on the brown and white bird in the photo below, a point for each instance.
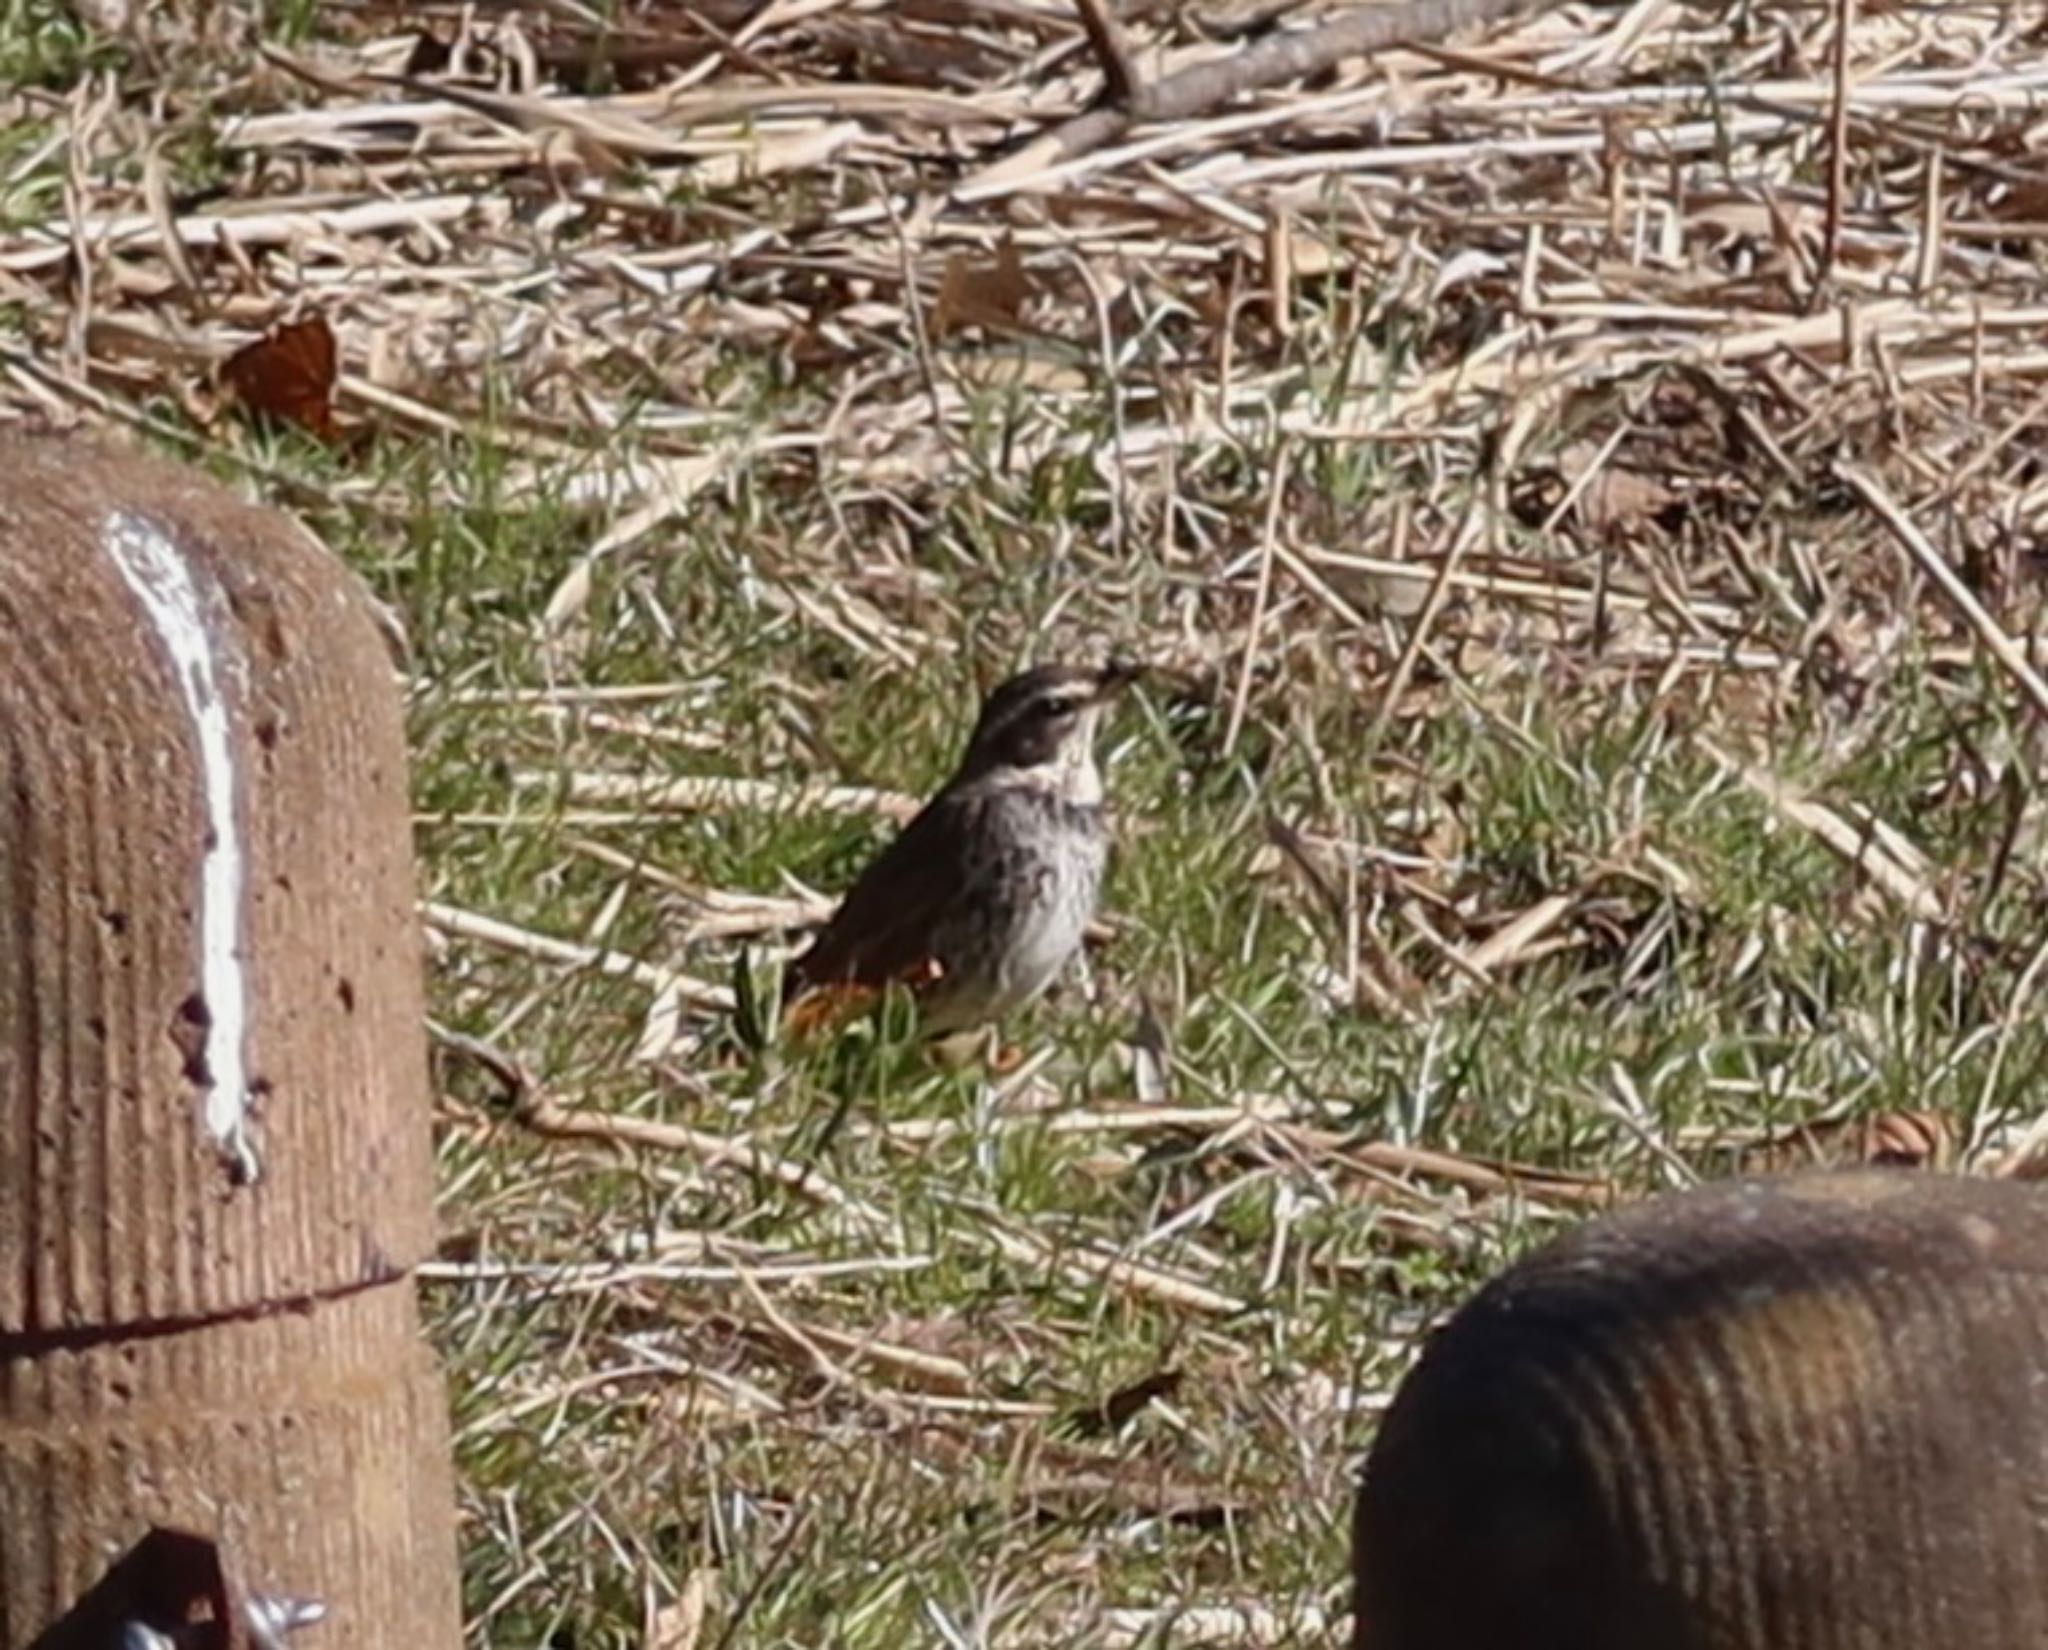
(983, 898)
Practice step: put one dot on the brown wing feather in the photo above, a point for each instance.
(883, 927)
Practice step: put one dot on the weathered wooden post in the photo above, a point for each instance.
(218, 1422)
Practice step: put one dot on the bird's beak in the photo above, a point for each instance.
(1115, 676)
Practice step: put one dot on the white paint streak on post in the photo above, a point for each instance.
(164, 585)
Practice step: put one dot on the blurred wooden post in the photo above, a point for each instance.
(215, 1179)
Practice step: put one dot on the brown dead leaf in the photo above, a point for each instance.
(289, 375)
(1614, 498)
(2022, 200)
(1893, 1139)
(1908, 1140)
(983, 292)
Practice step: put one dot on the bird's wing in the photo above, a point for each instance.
(883, 928)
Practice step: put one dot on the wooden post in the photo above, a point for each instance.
(218, 1421)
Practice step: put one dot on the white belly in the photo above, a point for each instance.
(1039, 934)
(1045, 945)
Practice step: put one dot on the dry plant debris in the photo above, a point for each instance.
(1581, 483)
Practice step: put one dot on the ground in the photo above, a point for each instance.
(1578, 492)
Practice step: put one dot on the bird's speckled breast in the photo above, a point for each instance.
(1042, 893)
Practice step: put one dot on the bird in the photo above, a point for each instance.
(982, 899)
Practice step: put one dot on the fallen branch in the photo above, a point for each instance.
(1119, 73)
(484, 930)
(1203, 87)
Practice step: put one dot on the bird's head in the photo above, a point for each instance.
(1040, 726)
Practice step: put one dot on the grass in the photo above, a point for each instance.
(888, 1406)
(1754, 985)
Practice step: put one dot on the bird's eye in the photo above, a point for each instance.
(1055, 705)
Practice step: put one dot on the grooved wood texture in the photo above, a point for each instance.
(1808, 1414)
(239, 1360)
(310, 1445)
(114, 1207)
